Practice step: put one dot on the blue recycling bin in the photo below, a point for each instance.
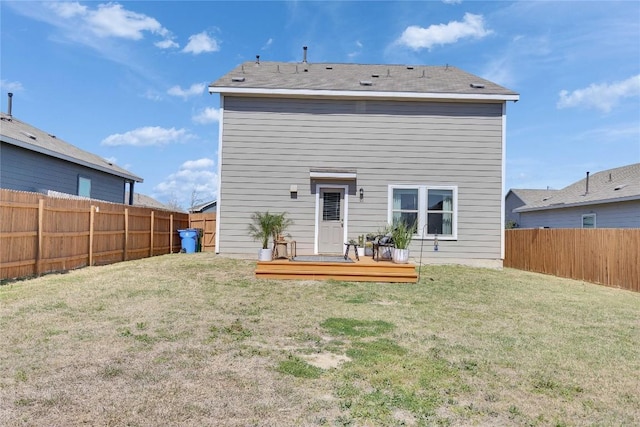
(189, 238)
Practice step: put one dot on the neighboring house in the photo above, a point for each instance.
(519, 197)
(607, 199)
(208, 207)
(345, 149)
(33, 160)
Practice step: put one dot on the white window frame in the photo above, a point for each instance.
(589, 215)
(423, 192)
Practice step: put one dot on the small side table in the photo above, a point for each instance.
(355, 250)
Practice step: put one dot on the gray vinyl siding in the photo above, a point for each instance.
(610, 215)
(270, 144)
(26, 170)
(512, 202)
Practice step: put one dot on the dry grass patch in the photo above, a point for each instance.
(197, 340)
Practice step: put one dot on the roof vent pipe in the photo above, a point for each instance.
(304, 54)
(9, 106)
(257, 59)
(586, 191)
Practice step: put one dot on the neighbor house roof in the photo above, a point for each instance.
(359, 80)
(609, 186)
(531, 196)
(202, 206)
(21, 134)
(148, 202)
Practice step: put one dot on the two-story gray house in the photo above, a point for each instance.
(34, 160)
(345, 149)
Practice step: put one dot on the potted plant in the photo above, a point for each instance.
(402, 234)
(261, 229)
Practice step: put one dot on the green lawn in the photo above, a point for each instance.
(196, 340)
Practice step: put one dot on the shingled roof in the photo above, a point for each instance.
(529, 196)
(21, 134)
(416, 81)
(609, 186)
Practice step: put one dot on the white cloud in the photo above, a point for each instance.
(68, 9)
(193, 178)
(451, 1)
(208, 115)
(268, 44)
(603, 96)
(166, 44)
(148, 136)
(11, 86)
(108, 20)
(111, 20)
(202, 42)
(203, 163)
(194, 90)
(472, 26)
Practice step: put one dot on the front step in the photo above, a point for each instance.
(353, 272)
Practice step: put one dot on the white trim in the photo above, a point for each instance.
(345, 227)
(361, 94)
(219, 198)
(423, 193)
(586, 215)
(333, 175)
(504, 169)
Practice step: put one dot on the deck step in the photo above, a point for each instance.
(367, 271)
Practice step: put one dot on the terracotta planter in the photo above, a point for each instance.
(401, 256)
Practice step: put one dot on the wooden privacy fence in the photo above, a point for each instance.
(607, 256)
(40, 234)
(207, 223)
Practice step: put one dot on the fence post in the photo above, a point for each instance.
(126, 234)
(171, 233)
(151, 240)
(91, 218)
(40, 234)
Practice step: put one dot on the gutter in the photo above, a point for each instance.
(361, 94)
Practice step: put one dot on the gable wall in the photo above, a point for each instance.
(270, 144)
(25, 170)
(610, 215)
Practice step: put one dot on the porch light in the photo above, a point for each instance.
(361, 193)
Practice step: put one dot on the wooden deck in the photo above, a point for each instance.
(365, 270)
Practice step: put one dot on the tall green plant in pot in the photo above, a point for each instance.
(261, 229)
(402, 233)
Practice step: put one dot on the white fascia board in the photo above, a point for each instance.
(362, 94)
(578, 204)
(71, 159)
(333, 175)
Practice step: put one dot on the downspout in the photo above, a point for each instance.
(131, 183)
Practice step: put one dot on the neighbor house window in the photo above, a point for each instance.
(84, 186)
(589, 221)
(433, 209)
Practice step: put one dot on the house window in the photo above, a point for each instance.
(405, 206)
(84, 186)
(589, 221)
(433, 209)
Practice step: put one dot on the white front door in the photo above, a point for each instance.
(331, 220)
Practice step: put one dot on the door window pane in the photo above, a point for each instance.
(331, 207)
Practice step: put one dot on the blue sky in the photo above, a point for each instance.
(128, 80)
